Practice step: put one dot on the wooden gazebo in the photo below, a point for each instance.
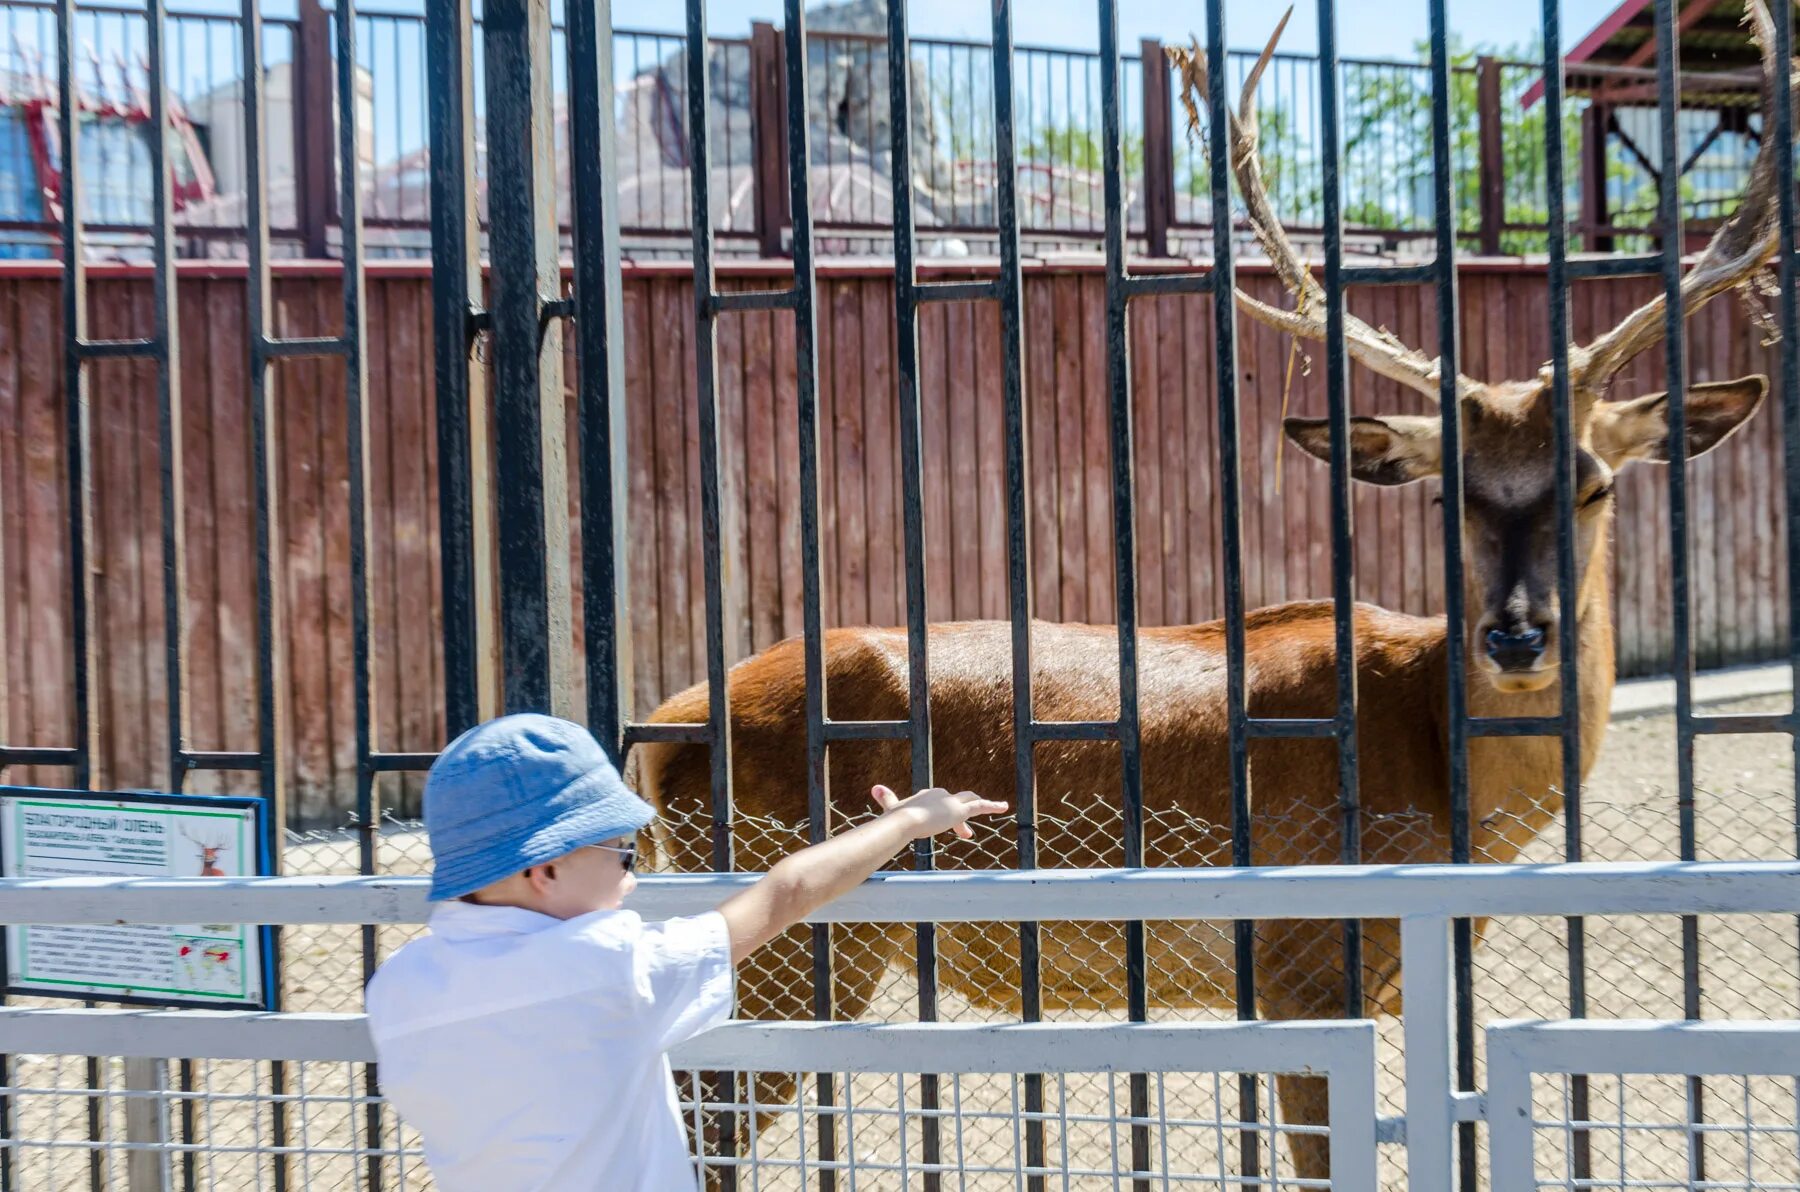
(1614, 66)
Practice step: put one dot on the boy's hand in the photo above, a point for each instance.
(937, 810)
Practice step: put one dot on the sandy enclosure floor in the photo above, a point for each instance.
(1744, 808)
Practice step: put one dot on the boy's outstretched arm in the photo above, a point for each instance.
(803, 882)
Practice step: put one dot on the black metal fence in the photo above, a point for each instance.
(506, 568)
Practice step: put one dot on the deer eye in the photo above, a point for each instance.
(1598, 495)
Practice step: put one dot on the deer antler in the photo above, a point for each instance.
(1741, 247)
(1378, 350)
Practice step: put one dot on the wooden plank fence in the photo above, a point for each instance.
(1740, 579)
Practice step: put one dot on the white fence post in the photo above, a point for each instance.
(147, 1124)
(1430, 1124)
(1350, 1107)
(1511, 1165)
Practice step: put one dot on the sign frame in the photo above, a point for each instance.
(259, 859)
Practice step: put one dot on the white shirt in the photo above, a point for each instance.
(529, 1051)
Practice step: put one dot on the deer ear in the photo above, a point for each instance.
(1395, 450)
(1639, 429)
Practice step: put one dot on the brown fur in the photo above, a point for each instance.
(1402, 737)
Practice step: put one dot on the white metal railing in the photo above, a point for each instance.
(997, 895)
(1341, 1052)
(1518, 1051)
(1425, 898)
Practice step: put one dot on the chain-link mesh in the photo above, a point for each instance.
(1744, 799)
(1747, 964)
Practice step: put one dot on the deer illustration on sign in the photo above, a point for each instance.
(209, 852)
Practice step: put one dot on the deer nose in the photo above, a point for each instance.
(1517, 649)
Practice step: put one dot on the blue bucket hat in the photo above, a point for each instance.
(519, 791)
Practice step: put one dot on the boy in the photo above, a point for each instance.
(524, 1036)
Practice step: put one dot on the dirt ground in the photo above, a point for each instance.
(1744, 808)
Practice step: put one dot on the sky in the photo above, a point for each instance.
(203, 57)
(1366, 28)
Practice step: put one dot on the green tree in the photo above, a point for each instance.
(1386, 158)
(1078, 147)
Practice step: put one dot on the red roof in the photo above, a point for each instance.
(1713, 40)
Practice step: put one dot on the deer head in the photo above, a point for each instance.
(210, 849)
(1508, 462)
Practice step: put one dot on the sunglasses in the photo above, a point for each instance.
(627, 854)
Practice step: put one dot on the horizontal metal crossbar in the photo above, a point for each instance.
(755, 300)
(386, 763)
(1650, 1047)
(955, 291)
(14, 755)
(1306, 1048)
(1636, 265)
(1389, 275)
(1073, 730)
(118, 349)
(867, 730)
(643, 734)
(306, 348)
(997, 896)
(1149, 285)
(1514, 726)
(215, 759)
(1749, 722)
(1290, 728)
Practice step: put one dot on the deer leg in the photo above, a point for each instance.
(775, 984)
(1304, 1102)
(1299, 967)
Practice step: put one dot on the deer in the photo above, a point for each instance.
(1516, 632)
(209, 853)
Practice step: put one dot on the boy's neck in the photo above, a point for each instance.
(524, 902)
(494, 899)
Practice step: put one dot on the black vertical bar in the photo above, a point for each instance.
(1567, 611)
(270, 603)
(706, 345)
(168, 401)
(600, 363)
(455, 286)
(1790, 358)
(1455, 631)
(80, 463)
(532, 535)
(1018, 545)
(75, 395)
(806, 366)
(706, 390)
(1343, 553)
(1118, 367)
(271, 670)
(912, 511)
(1225, 378)
(164, 333)
(1668, 204)
(356, 416)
